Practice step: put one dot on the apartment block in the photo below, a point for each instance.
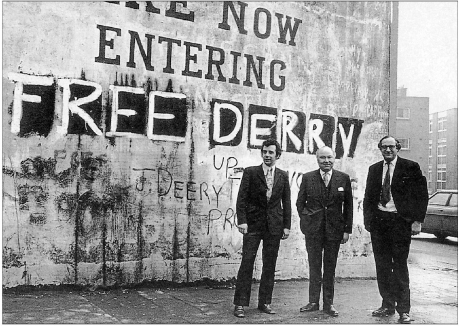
(410, 126)
(442, 160)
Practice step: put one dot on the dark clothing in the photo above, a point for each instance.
(325, 215)
(391, 239)
(330, 249)
(266, 221)
(408, 189)
(270, 250)
(253, 207)
(331, 206)
(391, 232)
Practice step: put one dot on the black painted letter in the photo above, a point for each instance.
(103, 42)
(238, 18)
(172, 11)
(146, 57)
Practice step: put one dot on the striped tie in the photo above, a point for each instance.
(385, 191)
(326, 179)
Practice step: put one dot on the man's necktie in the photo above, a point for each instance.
(269, 182)
(326, 179)
(385, 191)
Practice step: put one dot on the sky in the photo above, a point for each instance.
(427, 52)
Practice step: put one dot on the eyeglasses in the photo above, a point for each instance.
(391, 147)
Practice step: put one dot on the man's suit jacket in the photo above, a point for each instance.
(253, 207)
(318, 206)
(408, 189)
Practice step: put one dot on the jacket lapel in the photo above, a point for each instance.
(379, 174)
(333, 184)
(276, 177)
(321, 185)
(261, 175)
(397, 171)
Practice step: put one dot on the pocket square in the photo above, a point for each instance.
(340, 189)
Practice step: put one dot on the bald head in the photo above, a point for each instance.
(325, 158)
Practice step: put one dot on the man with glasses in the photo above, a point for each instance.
(394, 207)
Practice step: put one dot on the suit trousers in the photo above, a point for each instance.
(250, 244)
(391, 239)
(330, 248)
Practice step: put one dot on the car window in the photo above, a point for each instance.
(453, 200)
(439, 199)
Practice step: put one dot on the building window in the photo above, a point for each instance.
(441, 154)
(405, 142)
(441, 178)
(430, 154)
(441, 125)
(429, 178)
(403, 113)
(430, 126)
(441, 136)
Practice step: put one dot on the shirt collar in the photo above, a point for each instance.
(393, 162)
(266, 168)
(329, 173)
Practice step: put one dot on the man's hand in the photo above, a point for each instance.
(243, 228)
(286, 234)
(415, 228)
(345, 238)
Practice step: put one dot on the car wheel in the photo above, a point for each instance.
(440, 236)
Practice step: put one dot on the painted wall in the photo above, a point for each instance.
(126, 128)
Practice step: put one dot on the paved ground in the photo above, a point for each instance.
(355, 299)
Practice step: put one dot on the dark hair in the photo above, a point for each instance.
(398, 146)
(269, 142)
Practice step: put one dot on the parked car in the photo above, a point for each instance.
(441, 216)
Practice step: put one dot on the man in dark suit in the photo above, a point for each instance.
(394, 207)
(325, 208)
(263, 211)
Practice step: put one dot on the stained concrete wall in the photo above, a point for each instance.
(126, 128)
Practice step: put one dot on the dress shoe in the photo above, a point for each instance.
(404, 318)
(311, 306)
(266, 308)
(383, 312)
(331, 311)
(239, 311)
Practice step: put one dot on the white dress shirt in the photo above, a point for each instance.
(390, 206)
(266, 168)
(322, 173)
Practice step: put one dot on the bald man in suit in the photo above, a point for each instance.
(325, 207)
